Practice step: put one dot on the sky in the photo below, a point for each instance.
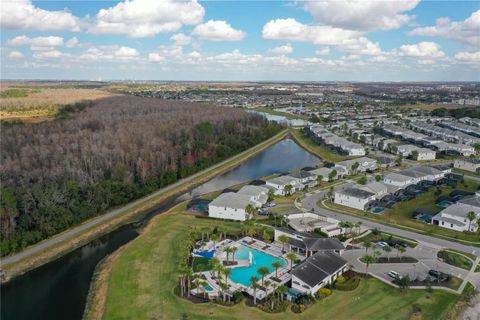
(323, 40)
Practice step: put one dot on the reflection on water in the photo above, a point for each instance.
(58, 290)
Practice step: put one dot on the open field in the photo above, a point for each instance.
(41, 255)
(322, 151)
(144, 274)
(38, 103)
(430, 107)
(401, 214)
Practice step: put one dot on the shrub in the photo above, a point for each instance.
(349, 285)
(341, 279)
(325, 292)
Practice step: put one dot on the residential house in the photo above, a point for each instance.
(280, 185)
(325, 173)
(230, 206)
(353, 197)
(364, 165)
(468, 164)
(317, 271)
(258, 194)
(455, 217)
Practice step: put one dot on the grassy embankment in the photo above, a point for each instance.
(68, 245)
(320, 150)
(143, 276)
(401, 214)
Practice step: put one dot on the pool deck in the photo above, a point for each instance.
(273, 249)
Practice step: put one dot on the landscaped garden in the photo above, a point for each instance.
(144, 277)
(455, 259)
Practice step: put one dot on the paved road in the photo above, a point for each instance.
(112, 214)
(309, 203)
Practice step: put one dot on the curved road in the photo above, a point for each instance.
(309, 203)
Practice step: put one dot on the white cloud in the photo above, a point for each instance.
(155, 57)
(426, 50)
(292, 30)
(362, 15)
(218, 30)
(22, 14)
(38, 42)
(146, 18)
(17, 55)
(467, 31)
(48, 54)
(72, 43)
(323, 51)
(286, 49)
(126, 52)
(181, 39)
(344, 40)
(468, 57)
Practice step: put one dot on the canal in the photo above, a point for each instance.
(58, 290)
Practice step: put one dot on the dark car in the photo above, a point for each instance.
(438, 275)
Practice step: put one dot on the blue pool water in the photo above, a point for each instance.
(260, 259)
(208, 288)
(377, 210)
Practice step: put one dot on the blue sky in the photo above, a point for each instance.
(359, 40)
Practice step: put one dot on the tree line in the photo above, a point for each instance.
(106, 153)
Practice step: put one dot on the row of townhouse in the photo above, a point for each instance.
(468, 129)
(468, 164)
(458, 216)
(427, 141)
(407, 150)
(362, 197)
(342, 145)
(444, 133)
(471, 121)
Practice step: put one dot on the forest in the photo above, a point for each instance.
(104, 153)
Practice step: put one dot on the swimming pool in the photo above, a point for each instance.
(260, 259)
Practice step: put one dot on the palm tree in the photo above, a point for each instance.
(368, 260)
(188, 275)
(228, 250)
(355, 167)
(292, 257)
(401, 250)
(470, 216)
(266, 236)
(203, 284)
(330, 194)
(332, 176)
(214, 263)
(214, 237)
(254, 285)
(251, 210)
(376, 254)
(367, 244)
(263, 271)
(234, 250)
(282, 290)
(288, 189)
(319, 179)
(359, 224)
(387, 250)
(283, 239)
(276, 264)
(226, 272)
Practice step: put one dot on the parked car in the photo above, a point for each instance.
(394, 243)
(382, 244)
(438, 275)
(393, 274)
(271, 204)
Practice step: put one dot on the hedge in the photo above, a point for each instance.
(349, 285)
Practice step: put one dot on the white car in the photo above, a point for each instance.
(382, 244)
(393, 274)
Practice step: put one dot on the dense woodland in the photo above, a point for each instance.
(106, 153)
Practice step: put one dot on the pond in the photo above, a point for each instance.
(58, 290)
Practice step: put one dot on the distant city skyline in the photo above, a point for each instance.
(334, 40)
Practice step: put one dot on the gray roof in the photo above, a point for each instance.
(301, 174)
(231, 200)
(282, 180)
(252, 190)
(448, 220)
(316, 268)
(471, 160)
(473, 201)
(357, 193)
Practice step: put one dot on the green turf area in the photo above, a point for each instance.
(465, 172)
(281, 209)
(322, 151)
(201, 264)
(477, 269)
(455, 259)
(14, 93)
(385, 236)
(144, 275)
(287, 199)
(401, 213)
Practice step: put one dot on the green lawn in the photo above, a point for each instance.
(322, 151)
(401, 213)
(455, 259)
(144, 275)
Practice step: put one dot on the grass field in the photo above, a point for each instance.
(322, 151)
(38, 104)
(144, 275)
(401, 213)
